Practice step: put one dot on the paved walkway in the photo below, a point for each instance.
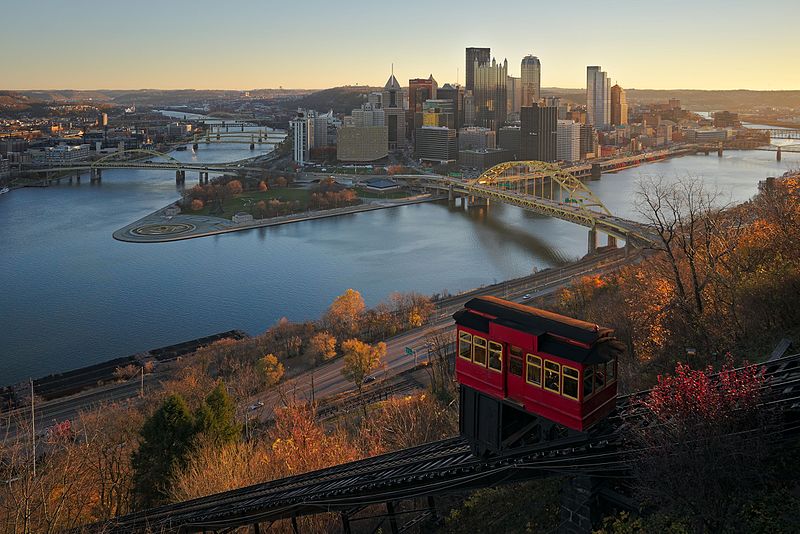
(161, 228)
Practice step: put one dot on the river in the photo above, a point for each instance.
(70, 295)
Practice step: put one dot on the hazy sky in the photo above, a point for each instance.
(246, 44)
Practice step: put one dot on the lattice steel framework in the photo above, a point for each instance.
(113, 159)
(542, 187)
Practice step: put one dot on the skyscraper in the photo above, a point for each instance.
(481, 55)
(598, 98)
(454, 93)
(538, 133)
(569, 141)
(619, 106)
(531, 79)
(490, 94)
(514, 95)
(395, 115)
(419, 91)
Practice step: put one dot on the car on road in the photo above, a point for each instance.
(257, 405)
(369, 378)
(526, 296)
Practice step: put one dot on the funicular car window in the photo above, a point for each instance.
(534, 373)
(495, 356)
(515, 361)
(569, 387)
(611, 370)
(465, 345)
(479, 350)
(588, 385)
(599, 376)
(552, 376)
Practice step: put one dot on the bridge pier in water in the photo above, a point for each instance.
(592, 248)
(195, 147)
(180, 177)
(719, 150)
(597, 171)
(778, 154)
(95, 175)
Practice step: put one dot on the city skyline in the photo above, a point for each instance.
(210, 45)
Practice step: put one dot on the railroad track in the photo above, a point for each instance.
(441, 467)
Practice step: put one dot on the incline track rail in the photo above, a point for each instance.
(441, 467)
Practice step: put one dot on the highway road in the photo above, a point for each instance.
(328, 379)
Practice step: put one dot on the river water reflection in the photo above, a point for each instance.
(70, 295)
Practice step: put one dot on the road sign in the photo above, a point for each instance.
(409, 351)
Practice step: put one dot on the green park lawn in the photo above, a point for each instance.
(243, 201)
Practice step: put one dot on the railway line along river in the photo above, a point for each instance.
(70, 295)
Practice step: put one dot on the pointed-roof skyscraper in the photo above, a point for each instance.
(394, 112)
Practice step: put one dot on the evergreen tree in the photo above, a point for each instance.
(166, 440)
(216, 417)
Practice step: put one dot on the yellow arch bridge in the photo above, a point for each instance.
(542, 188)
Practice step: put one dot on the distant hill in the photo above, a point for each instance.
(339, 99)
(10, 100)
(695, 99)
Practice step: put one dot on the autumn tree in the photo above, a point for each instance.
(262, 186)
(197, 204)
(695, 234)
(234, 187)
(216, 418)
(165, 442)
(321, 347)
(404, 422)
(705, 454)
(271, 369)
(343, 316)
(360, 359)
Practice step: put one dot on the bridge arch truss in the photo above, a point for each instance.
(113, 159)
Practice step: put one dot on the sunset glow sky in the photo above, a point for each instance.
(247, 44)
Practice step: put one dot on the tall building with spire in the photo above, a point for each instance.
(479, 55)
(490, 94)
(531, 80)
(619, 106)
(598, 98)
(395, 115)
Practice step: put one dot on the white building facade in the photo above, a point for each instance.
(568, 141)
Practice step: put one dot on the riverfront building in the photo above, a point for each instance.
(66, 153)
(598, 98)
(483, 159)
(436, 144)
(308, 131)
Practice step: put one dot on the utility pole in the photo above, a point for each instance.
(33, 430)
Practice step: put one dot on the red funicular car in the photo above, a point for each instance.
(529, 375)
